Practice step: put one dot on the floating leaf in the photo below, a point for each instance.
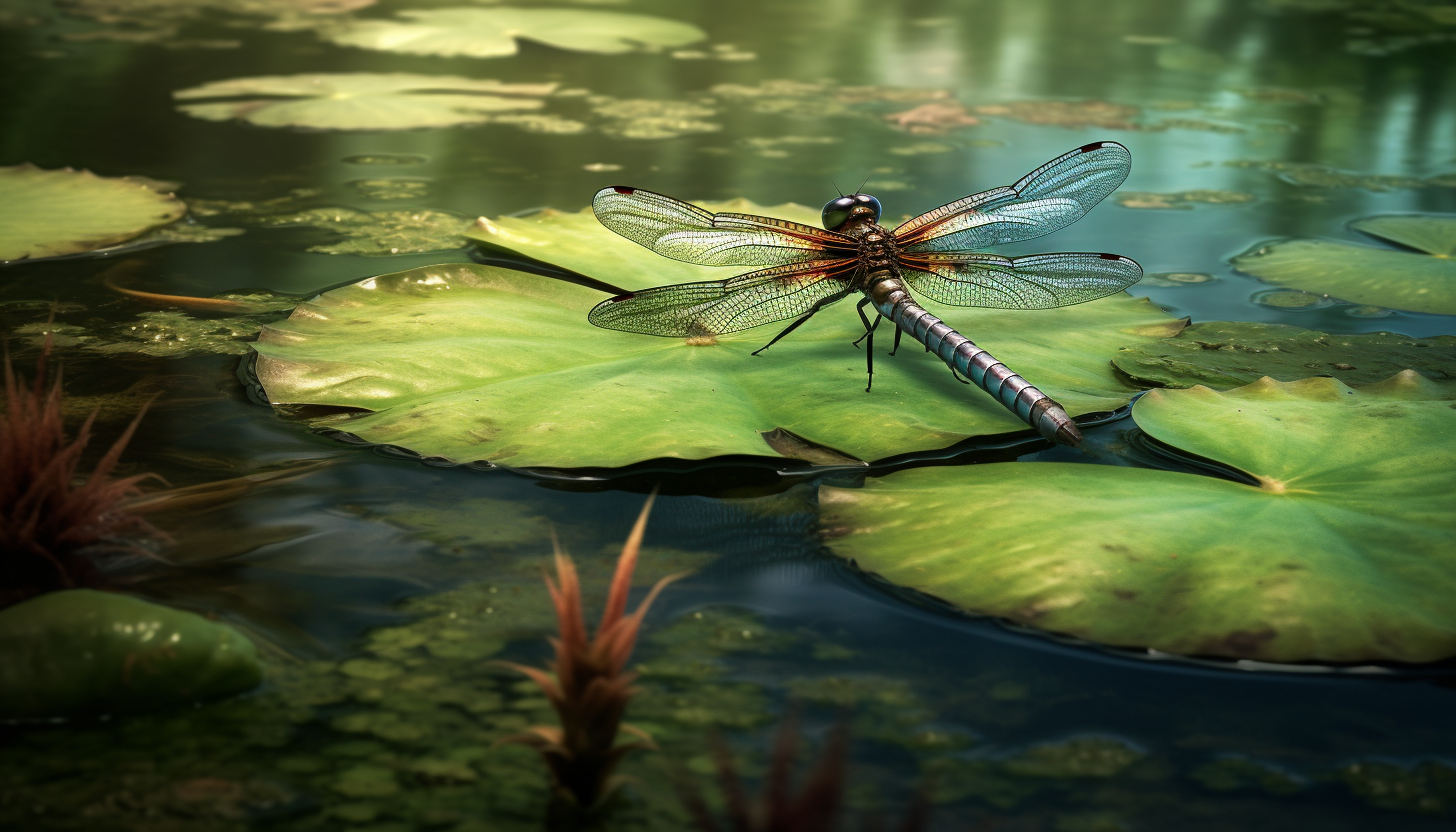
(1366, 274)
(1223, 354)
(1173, 280)
(492, 33)
(1180, 199)
(360, 100)
(1433, 235)
(49, 213)
(1342, 552)
(479, 363)
(80, 651)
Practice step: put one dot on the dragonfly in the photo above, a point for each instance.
(936, 254)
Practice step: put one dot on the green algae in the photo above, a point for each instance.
(1078, 757)
(1427, 788)
(1230, 773)
(380, 233)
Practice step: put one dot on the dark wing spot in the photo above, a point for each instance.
(1088, 148)
(620, 298)
(624, 190)
(1111, 256)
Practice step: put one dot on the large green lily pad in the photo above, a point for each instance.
(1343, 551)
(1365, 274)
(472, 362)
(360, 100)
(492, 33)
(1229, 354)
(49, 213)
(1432, 234)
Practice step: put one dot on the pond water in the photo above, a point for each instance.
(352, 577)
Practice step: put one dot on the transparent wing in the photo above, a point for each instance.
(683, 231)
(1039, 281)
(721, 306)
(1049, 198)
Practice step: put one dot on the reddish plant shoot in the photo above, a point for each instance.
(588, 683)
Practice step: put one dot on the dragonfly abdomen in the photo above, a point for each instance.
(960, 353)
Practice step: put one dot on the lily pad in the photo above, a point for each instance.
(1223, 354)
(1433, 235)
(50, 213)
(1366, 274)
(1180, 200)
(80, 651)
(360, 100)
(1341, 552)
(473, 363)
(492, 33)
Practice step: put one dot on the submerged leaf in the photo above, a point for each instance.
(1223, 354)
(492, 33)
(479, 363)
(1366, 274)
(360, 100)
(82, 652)
(1342, 552)
(49, 213)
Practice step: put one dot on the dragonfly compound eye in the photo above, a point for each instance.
(836, 213)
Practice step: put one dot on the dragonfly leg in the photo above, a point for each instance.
(869, 339)
(898, 333)
(869, 327)
(798, 322)
(957, 376)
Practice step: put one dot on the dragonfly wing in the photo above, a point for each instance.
(717, 307)
(683, 231)
(1007, 223)
(1058, 194)
(1086, 175)
(1039, 281)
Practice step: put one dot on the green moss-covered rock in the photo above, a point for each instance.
(83, 652)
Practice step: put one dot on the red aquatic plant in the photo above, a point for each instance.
(50, 521)
(816, 806)
(587, 683)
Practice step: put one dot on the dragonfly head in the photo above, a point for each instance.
(840, 211)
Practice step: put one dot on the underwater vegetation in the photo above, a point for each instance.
(816, 806)
(50, 526)
(590, 688)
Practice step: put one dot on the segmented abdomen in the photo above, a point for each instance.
(1014, 392)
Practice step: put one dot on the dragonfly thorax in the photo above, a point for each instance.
(839, 212)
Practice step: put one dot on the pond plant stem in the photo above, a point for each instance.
(50, 526)
(587, 683)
